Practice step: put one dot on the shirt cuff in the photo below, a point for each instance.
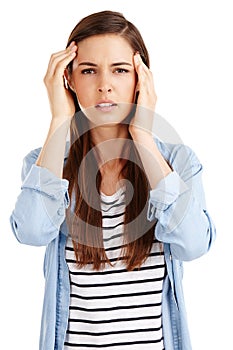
(165, 193)
(44, 181)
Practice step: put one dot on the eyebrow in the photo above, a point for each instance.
(90, 64)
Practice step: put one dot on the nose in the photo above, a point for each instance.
(104, 89)
(104, 85)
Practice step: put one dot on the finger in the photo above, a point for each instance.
(59, 62)
(141, 69)
(139, 62)
(136, 59)
(144, 73)
(56, 70)
(145, 84)
(56, 58)
(56, 54)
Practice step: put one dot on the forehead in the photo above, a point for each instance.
(110, 46)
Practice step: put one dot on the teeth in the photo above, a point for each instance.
(105, 104)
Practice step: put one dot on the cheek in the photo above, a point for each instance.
(82, 89)
(129, 90)
(132, 83)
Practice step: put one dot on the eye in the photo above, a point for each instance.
(88, 71)
(121, 70)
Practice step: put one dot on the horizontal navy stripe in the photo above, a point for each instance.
(114, 206)
(115, 259)
(120, 283)
(116, 344)
(115, 200)
(113, 237)
(93, 273)
(131, 295)
(71, 248)
(113, 227)
(142, 330)
(115, 320)
(113, 216)
(106, 309)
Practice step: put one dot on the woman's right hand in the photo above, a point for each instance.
(61, 101)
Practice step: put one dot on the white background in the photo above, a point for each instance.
(190, 43)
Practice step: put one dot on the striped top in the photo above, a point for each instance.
(114, 308)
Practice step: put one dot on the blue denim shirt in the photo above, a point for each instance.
(183, 225)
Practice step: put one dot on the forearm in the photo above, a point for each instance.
(155, 166)
(52, 153)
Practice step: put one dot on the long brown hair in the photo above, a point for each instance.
(81, 169)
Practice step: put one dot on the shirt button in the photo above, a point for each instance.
(60, 211)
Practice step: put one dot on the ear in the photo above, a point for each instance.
(68, 80)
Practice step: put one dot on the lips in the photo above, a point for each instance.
(105, 106)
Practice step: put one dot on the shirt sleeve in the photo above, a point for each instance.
(40, 207)
(178, 205)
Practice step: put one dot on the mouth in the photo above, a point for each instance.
(106, 106)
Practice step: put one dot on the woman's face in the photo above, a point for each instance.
(104, 78)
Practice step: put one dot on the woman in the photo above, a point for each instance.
(118, 209)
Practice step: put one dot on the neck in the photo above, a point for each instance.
(110, 142)
(109, 132)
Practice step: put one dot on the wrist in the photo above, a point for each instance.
(140, 135)
(61, 121)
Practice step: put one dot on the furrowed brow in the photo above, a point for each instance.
(121, 64)
(90, 64)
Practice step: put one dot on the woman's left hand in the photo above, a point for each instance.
(146, 101)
